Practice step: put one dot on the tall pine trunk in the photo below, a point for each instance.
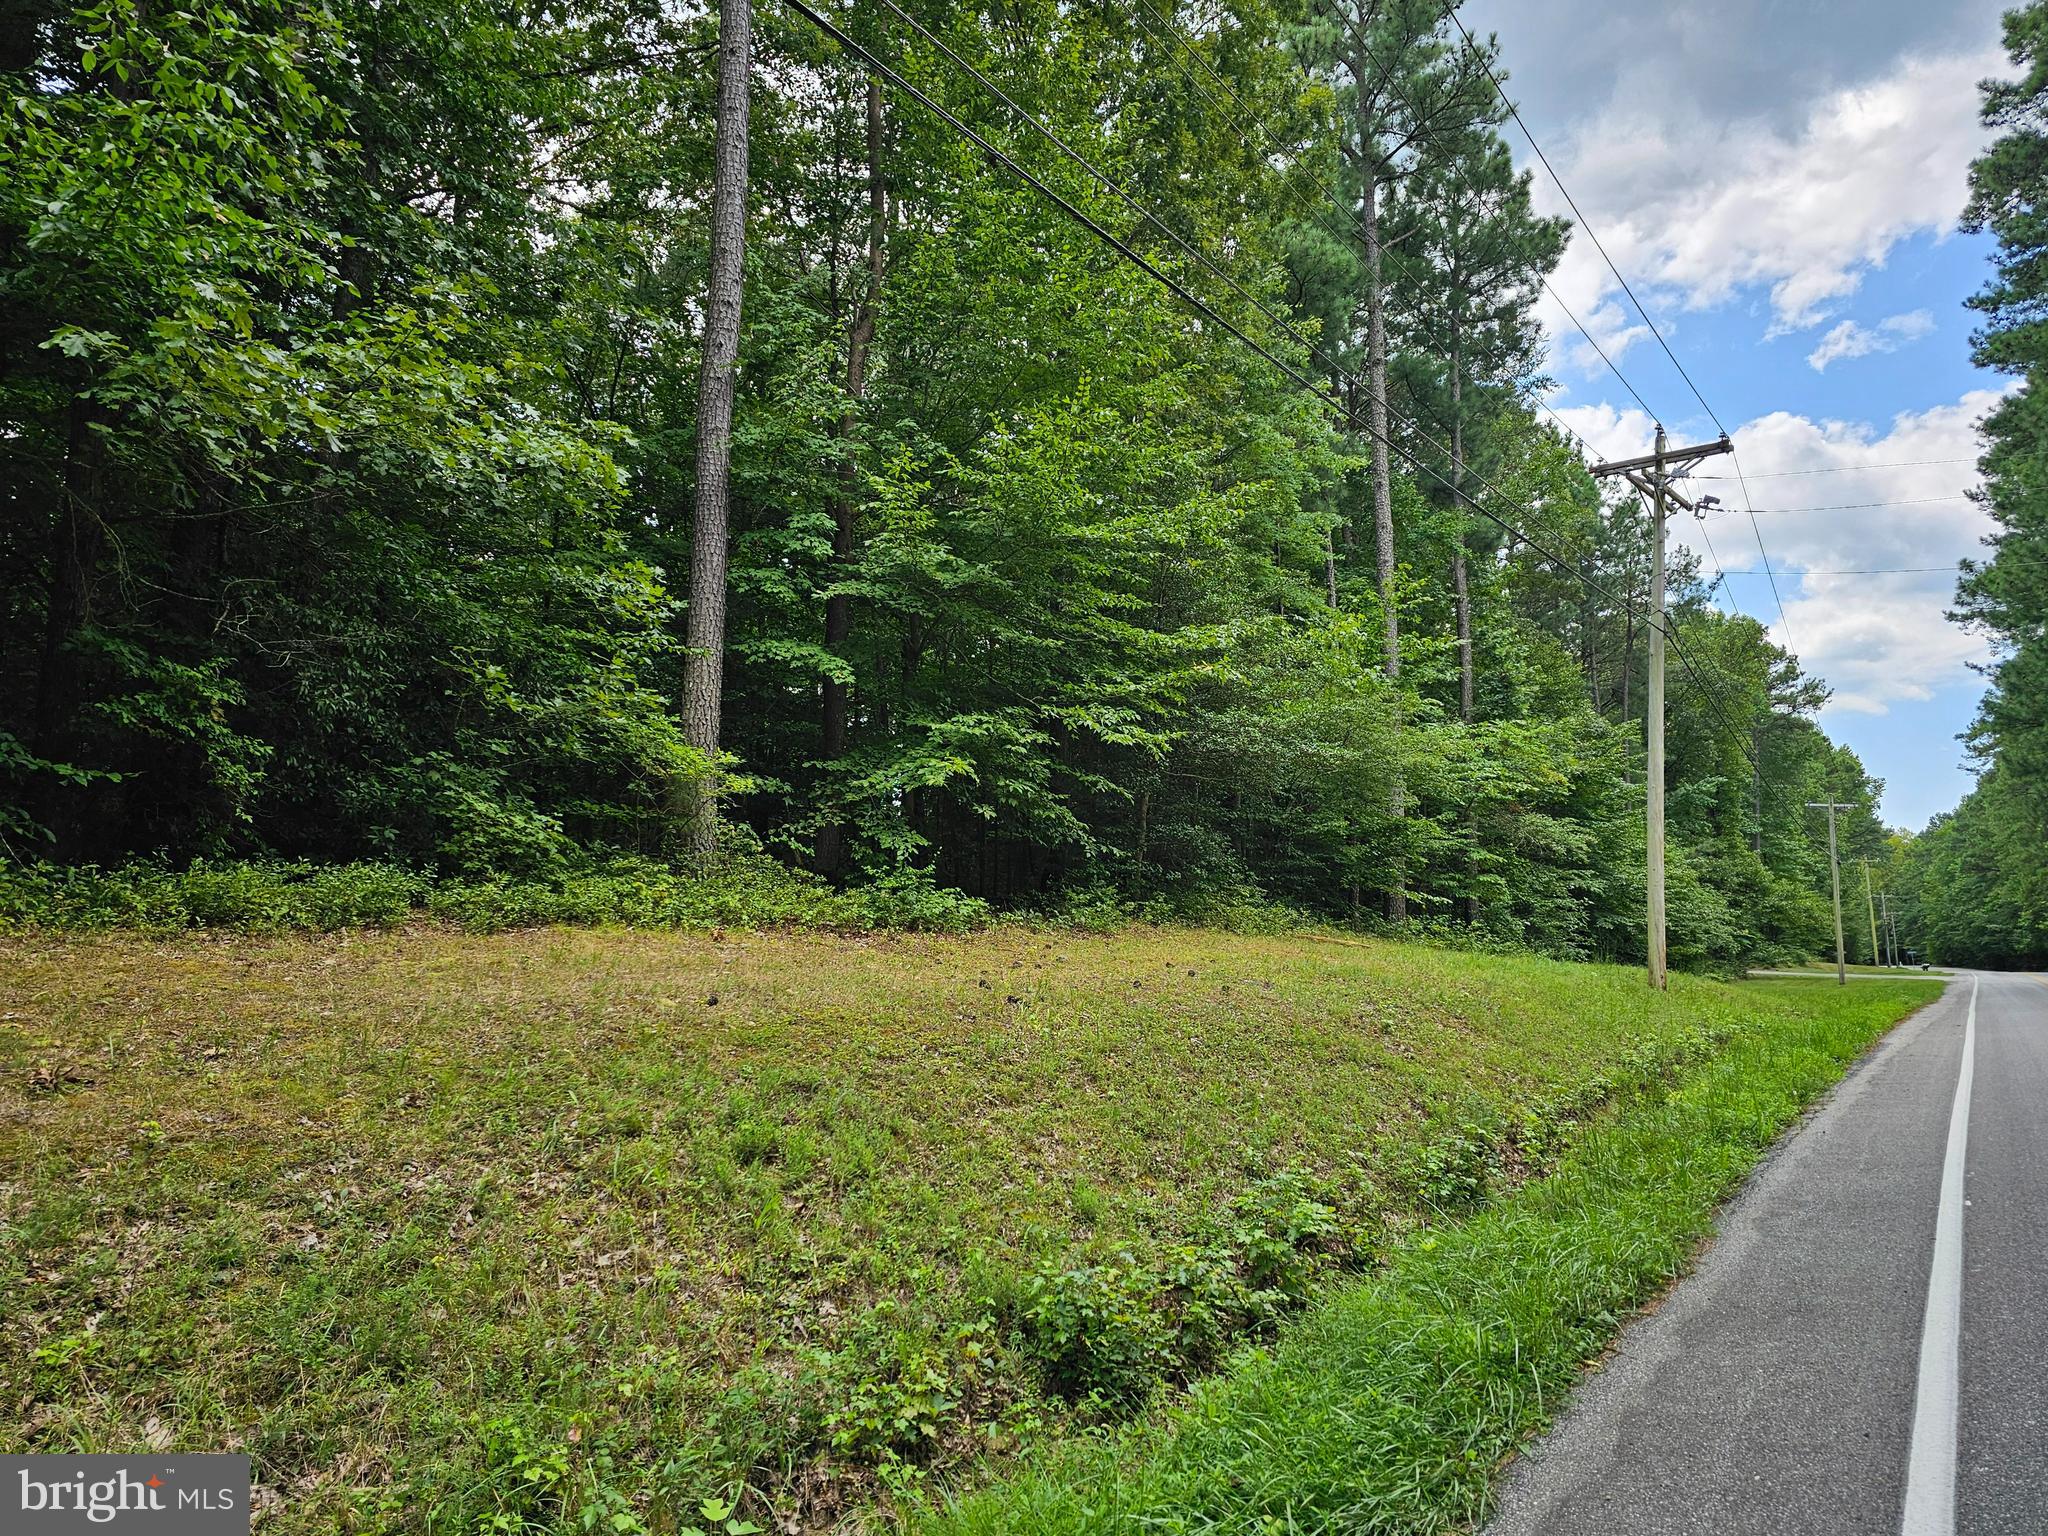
(1382, 487)
(1461, 588)
(1376, 417)
(838, 610)
(1458, 577)
(704, 658)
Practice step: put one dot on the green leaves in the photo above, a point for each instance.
(361, 429)
(1975, 894)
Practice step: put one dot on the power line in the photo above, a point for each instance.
(1593, 235)
(1874, 570)
(1860, 506)
(1201, 306)
(1841, 469)
(1516, 113)
(1163, 27)
(1277, 320)
(1720, 575)
(1757, 532)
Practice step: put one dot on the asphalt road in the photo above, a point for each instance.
(1865, 1347)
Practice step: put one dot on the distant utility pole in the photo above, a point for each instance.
(1871, 901)
(1835, 870)
(1651, 474)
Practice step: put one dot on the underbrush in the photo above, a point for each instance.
(739, 890)
(1393, 1405)
(275, 896)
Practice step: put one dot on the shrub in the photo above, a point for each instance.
(1452, 1172)
(746, 889)
(909, 898)
(898, 1415)
(895, 1397)
(1282, 1233)
(362, 896)
(1095, 1331)
(264, 897)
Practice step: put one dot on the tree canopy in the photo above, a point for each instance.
(1975, 884)
(349, 366)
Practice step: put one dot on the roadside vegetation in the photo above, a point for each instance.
(564, 1230)
(1393, 1405)
(1974, 886)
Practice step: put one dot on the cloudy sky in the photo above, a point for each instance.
(1779, 181)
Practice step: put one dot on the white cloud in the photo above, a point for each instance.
(1609, 432)
(1695, 210)
(1865, 588)
(1849, 339)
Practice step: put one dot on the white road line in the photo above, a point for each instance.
(1931, 1465)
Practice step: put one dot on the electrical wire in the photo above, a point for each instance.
(1164, 29)
(1783, 619)
(1861, 506)
(1841, 469)
(1206, 310)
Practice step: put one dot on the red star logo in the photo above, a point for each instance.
(155, 1481)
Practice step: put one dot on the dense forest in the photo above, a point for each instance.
(1976, 882)
(1137, 485)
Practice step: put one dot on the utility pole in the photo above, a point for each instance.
(1835, 871)
(1660, 466)
(1871, 901)
(1653, 810)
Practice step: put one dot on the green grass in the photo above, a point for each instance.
(569, 1229)
(1391, 1407)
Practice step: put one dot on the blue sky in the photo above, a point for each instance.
(1780, 186)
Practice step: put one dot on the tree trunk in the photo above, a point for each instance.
(704, 657)
(1382, 484)
(1458, 581)
(831, 850)
(1376, 416)
(74, 556)
(1462, 591)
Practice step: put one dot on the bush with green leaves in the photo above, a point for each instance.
(261, 897)
(1096, 1331)
(1105, 1334)
(737, 890)
(909, 898)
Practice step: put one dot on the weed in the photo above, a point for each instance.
(1095, 1331)
(1451, 1172)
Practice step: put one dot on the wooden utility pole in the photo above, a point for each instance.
(1870, 901)
(1653, 720)
(1835, 872)
(1651, 474)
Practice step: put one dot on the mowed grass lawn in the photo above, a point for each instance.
(568, 1229)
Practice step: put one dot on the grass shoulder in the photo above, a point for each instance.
(562, 1227)
(1394, 1403)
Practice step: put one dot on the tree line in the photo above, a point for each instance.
(378, 488)
(1975, 882)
